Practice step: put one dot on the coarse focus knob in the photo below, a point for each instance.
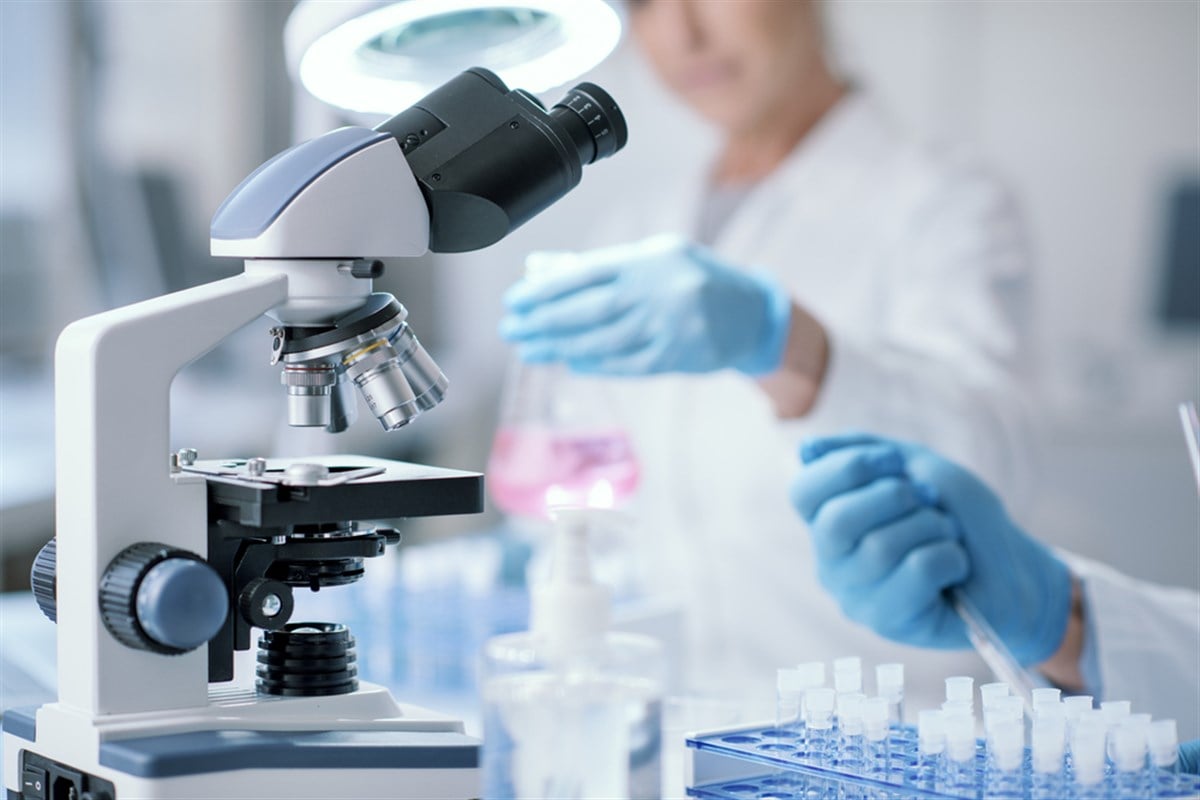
(43, 579)
(162, 599)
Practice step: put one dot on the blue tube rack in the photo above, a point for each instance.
(766, 763)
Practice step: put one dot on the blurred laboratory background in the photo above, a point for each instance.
(124, 124)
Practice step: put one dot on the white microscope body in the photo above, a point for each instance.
(160, 568)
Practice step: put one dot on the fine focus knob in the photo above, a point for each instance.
(43, 580)
(162, 599)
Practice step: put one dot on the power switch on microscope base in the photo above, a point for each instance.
(33, 783)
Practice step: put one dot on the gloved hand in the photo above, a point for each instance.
(660, 305)
(894, 524)
(1189, 757)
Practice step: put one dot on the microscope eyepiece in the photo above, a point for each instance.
(593, 120)
(488, 159)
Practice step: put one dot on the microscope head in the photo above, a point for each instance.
(458, 171)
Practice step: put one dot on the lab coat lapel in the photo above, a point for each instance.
(815, 174)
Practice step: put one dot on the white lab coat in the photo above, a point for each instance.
(915, 263)
(1143, 643)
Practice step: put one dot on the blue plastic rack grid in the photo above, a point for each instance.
(766, 763)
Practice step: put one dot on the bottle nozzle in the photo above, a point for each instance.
(571, 605)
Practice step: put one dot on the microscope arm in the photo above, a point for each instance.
(113, 373)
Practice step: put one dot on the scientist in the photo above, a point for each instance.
(821, 271)
(894, 524)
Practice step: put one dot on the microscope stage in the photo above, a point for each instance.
(283, 494)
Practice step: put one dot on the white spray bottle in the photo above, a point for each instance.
(572, 710)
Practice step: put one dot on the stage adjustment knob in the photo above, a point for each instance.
(162, 599)
(43, 579)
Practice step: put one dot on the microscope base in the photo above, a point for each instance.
(414, 754)
(253, 764)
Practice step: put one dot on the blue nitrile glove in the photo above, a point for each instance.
(659, 305)
(1189, 757)
(894, 524)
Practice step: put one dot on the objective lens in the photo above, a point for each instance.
(594, 121)
(308, 389)
(397, 378)
(424, 376)
(372, 348)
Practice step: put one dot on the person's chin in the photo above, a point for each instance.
(724, 112)
(716, 103)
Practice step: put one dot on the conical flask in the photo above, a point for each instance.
(559, 443)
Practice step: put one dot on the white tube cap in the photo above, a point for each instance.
(1076, 705)
(847, 674)
(1046, 695)
(989, 693)
(1116, 710)
(812, 674)
(789, 681)
(1128, 747)
(960, 689)
(1163, 739)
(889, 681)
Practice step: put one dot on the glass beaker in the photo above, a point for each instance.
(559, 443)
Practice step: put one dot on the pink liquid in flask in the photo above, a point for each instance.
(533, 469)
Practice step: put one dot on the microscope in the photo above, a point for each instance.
(164, 566)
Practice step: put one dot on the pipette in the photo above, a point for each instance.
(992, 649)
(1191, 433)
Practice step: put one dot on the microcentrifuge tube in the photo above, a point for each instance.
(1047, 695)
(960, 751)
(1047, 744)
(1127, 743)
(875, 727)
(960, 689)
(952, 708)
(847, 674)
(1142, 721)
(889, 684)
(1006, 751)
(811, 675)
(931, 747)
(990, 692)
(1087, 759)
(1009, 708)
(1115, 711)
(1075, 705)
(1046, 699)
(850, 729)
(818, 708)
(788, 693)
(1163, 740)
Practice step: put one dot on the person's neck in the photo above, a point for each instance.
(752, 153)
